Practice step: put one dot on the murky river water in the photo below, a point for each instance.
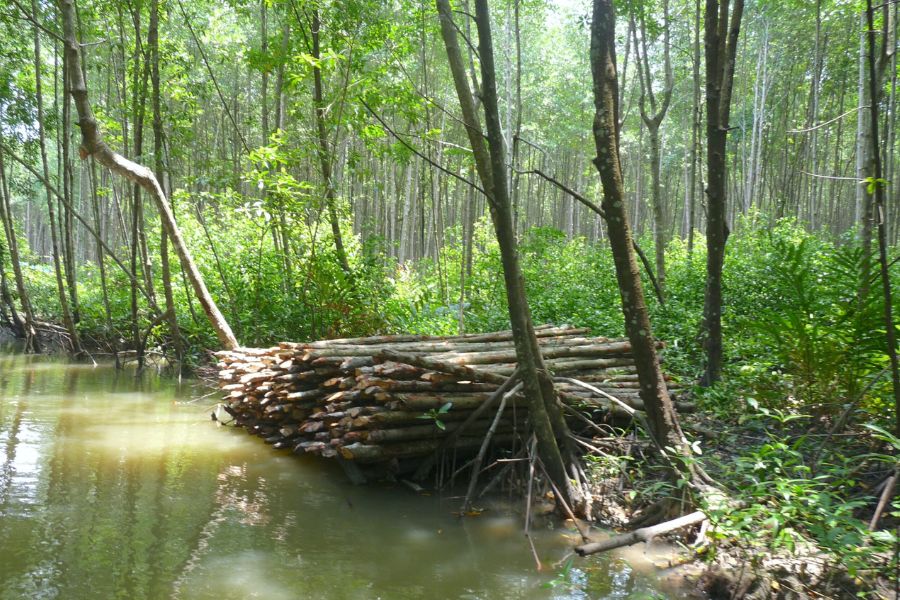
(112, 487)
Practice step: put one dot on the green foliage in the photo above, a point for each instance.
(811, 338)
(435, 414)
(786, 502)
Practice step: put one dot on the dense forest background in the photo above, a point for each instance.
(253, 174)
(321, 172)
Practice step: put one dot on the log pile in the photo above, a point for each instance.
(375, 399)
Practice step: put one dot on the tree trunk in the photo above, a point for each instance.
(866, 147)
(68, 222)
(721, 39)
(171, 315)
(93, 145)
(27, 323)
(890, 332)
(54, 239)
(696, 117)
(660, 411)
(490, 161)
(653, 120)
(264, 49)
(13, 320)
(324, 151)
(101, 260)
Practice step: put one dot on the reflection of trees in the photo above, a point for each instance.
(7, 471)
(229, 498)
(21, 488)
(111, 522)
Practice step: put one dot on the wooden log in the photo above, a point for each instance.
(395, 370)
(357, 362)
(540, 331)
(419, 432)
(368, 453)
(464, 372)
(399, 418)
(549, 347)
(591, 364)
(314, 394)
(372, 385)
(424, 402)
(612, 349)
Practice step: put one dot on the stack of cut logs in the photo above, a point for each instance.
(375, 399)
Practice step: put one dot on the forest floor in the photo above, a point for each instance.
(763, 550)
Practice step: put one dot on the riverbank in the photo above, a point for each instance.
(798, 524)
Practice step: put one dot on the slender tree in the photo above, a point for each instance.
(490, 164)
(171, 316)
(722, 26)
(653, 111)
(660, 411)
(68, 321)
(696, 119)
(31, 340)
(877, 185)
(326, 159)
(869, 95)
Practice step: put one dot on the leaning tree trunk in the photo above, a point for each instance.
(544, 413)
(660, 411)
(92, 144)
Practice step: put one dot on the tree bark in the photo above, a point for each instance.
(721, 39)
(93, 145)
(661, 414)
(546, 417)
(68, 321)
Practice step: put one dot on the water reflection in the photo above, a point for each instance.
(112, 487)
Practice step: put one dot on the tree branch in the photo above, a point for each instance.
(412, 149)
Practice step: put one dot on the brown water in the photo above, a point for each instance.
(112, 487)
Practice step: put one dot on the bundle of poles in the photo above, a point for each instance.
(399, 397)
